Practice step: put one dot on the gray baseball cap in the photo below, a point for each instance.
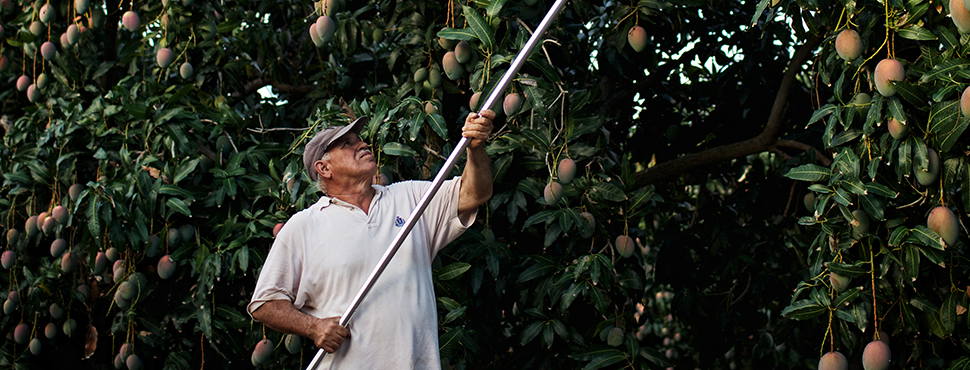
(314, 150)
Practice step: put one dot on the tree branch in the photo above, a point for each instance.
(825, 161)
(757, 144)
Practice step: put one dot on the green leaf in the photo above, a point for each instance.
(449, 303)
(539, 138)
(850, 270)
(450, 340)
(185, 170)
(609, 357)
(854, 314)
(531, 332)
(911, 262)
(935, 322)
(179, 206)
(495, 7)
(482, 30)
(454, 314)
(934, 255)
(536, 270)
(416, 123)
(854, 186)
(911, 93)
(176, 191)
(875, 112)
(242, 257)
(596, 295)
(453, 270)
(948, 313)
(534, 96)
(809, 172)
(881, 190)
(924, 305)
(845, 137)
(136, 110)
(654, 355)
(608, 191)
(438, 124)
(842, 197)
(821, 113)
(166, 115)
(905, 164)
(896, 109)
(589, 353)
(846, 297)
(398, 149)
(920, 154)
(874, 206)
(915, 32)
(177, 360)
(205, 320)
(943, 116)
(541, 217)
(762, 5)
(819, 188)
(803, 309)
(569, 295)
(949, 139)
(94, 217)
(929, 237)
(898, 237)
(945, 70)
(966, 185)
(457, 34)
(962, 363)
(39, 172)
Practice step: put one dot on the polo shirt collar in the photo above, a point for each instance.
(326, 201)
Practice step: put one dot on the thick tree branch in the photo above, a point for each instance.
(825, 161)
(757, 144)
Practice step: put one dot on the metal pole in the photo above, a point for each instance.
(440, 177)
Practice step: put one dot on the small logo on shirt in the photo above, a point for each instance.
(398, 221)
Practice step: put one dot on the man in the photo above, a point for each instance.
(323, 255)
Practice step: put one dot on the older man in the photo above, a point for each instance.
(324, 253)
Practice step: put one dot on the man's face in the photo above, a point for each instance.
(351, 157)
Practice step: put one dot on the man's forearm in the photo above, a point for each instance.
(476, 180)
(283, 317)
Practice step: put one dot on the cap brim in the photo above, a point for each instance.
(354, 127)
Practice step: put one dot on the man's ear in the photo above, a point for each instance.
(323, 171)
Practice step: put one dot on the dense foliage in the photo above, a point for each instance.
(699, 147)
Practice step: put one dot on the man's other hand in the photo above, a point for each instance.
(329, 335)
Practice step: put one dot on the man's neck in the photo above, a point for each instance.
(359, 196)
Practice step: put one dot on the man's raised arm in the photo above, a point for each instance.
(476, 179)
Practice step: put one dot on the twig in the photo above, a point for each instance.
(432, 151)
(265, 130)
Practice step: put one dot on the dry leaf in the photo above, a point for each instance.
(90, 341)
(154, 172)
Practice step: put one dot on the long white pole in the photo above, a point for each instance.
(440, 178)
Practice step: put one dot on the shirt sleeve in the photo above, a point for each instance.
(444, 225)
(279, 278)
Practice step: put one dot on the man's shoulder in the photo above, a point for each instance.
(307, 212)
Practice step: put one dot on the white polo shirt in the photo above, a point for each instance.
(323, 255)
